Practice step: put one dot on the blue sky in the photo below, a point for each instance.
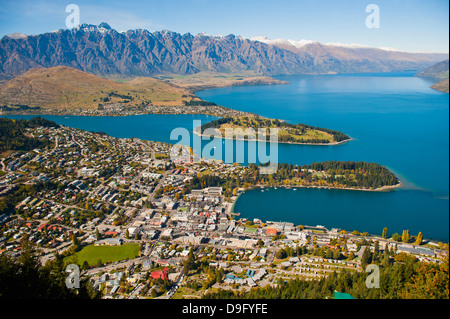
(410, 25)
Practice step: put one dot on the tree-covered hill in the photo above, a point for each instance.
(288, 133)
(12, 134)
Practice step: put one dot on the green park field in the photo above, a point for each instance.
(107, 254)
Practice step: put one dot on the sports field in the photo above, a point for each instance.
(106, 254)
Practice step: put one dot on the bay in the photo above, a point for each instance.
(394, 119)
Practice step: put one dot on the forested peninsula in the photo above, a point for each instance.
(287, 132)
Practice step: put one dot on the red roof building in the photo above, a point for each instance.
(161, 274)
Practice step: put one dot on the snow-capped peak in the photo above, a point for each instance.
(301, 43)
(278, 42)
(17, 35)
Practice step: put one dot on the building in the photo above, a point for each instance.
(271, 232)
(109, 242)
(215, 191)
(416, 250)
(160, 274)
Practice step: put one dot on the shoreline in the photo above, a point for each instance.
(293, 143)
(385, 188)
(427, 241)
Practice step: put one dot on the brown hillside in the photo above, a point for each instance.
(67, 88)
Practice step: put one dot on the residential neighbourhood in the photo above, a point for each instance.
(91, 191)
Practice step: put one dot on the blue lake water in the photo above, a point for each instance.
(394, 119)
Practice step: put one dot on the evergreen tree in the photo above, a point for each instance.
(25, 278)
(386, 257)
(366, 257)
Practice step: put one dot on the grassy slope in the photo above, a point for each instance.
(63, 87)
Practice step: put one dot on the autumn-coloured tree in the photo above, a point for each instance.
(429, 282)
(419, 238)
(405, 236)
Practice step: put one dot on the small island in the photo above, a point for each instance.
(287, 133)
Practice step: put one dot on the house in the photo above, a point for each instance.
(271, 232)
(111, 233)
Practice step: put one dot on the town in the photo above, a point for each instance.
(140, 225)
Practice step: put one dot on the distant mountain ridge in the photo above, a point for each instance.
(104, 51)
(437, 71)
(440, 73)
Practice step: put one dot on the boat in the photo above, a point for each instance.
(295, 189)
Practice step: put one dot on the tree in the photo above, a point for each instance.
(419, 238)
(281, 254)
(189, 264)
(25, 278)
(97, 234)
(396, 237)
(85, 265)
(384, 234)
(386, 257)
(405, 236)
(431, 281)
(336, 254)
(366, 257)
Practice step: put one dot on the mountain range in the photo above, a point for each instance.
(101, 50)
(436, 71)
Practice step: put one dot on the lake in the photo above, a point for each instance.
(394, 119)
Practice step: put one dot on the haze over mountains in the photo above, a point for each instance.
(437, 71)
(440, 73)
(104, 51)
